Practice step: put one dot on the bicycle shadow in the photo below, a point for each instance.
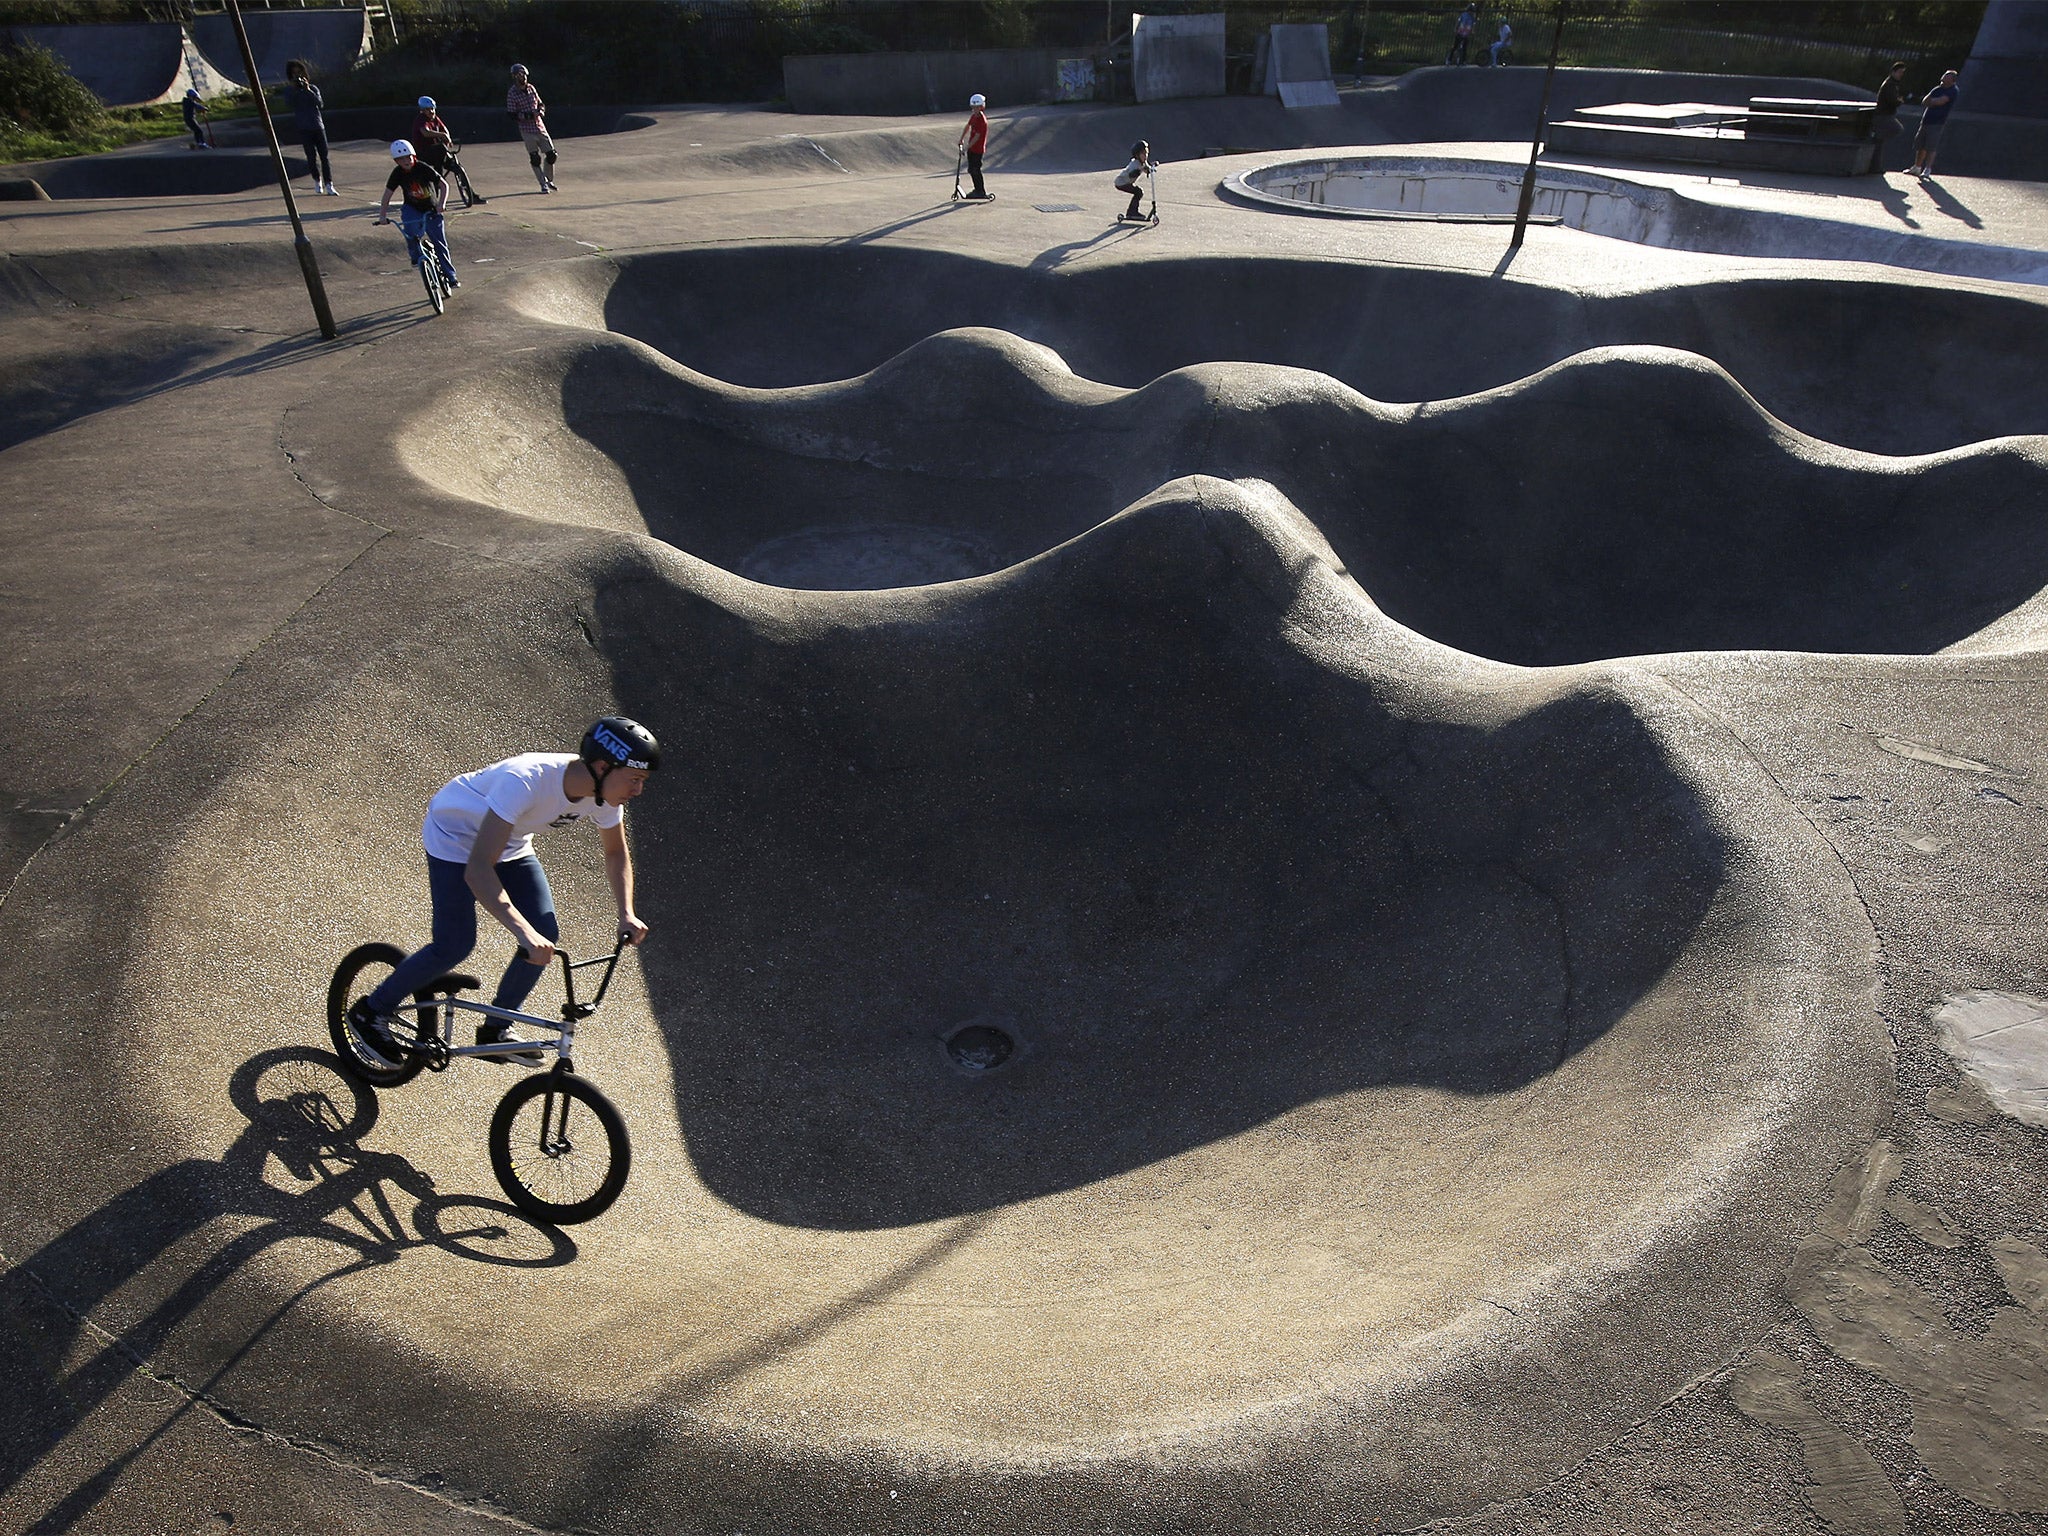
(305, 1123)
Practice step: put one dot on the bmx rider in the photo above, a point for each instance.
(479, 840)
(420, 216)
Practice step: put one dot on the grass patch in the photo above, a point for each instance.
(117, 127)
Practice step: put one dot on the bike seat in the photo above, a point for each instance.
(455, 981)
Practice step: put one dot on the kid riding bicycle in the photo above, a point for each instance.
(420, 216)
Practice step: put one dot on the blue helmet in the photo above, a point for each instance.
(426, 103)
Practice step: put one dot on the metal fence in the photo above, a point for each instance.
(1391, 39)
(676, 50)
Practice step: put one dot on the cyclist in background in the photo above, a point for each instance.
(479, 839)
(420, 216)
(436, 147)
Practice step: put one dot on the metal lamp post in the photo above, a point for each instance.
(1536, 145)
(307, 264)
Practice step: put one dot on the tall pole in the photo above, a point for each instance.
(307, 264)
(1536, 144)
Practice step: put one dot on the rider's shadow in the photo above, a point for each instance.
(307, 1119)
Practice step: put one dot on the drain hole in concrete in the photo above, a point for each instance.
(979, 1047)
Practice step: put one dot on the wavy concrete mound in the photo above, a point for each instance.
(1421, 1065)
(1707, 525)
(1822, 354)
(1403, 1041)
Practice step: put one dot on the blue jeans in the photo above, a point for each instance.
(431, 228)
(455, 931)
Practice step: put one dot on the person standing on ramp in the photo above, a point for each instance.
(974, 139)
(523, 102)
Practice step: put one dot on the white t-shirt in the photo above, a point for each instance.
(1127, 178)
(524, 790)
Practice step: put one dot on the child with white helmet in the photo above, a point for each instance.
(420, 216)
(974, 139)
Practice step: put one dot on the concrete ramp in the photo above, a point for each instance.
(1179, 1017)
(1298, 65)
(330, 41)
(1175, 56)
(124, 65)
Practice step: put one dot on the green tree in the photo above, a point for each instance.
(39, 95)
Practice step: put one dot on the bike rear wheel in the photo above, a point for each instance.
(361, 971)
(559, 1148)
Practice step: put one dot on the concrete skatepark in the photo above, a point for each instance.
(1495, 797)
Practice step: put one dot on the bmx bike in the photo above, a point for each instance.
(451, 167)
(424, 257)
(544, 1170)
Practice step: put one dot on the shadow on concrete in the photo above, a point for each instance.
(1111, 810)
(46, 391)
(883, 231)
(305, 1124)
(1060, 255)
(1949, 203)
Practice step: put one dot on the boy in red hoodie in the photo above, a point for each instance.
(974, 139)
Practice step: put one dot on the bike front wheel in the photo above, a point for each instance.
(430, 274)
(559, 1148)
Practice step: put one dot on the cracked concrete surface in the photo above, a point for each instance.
(1460, 1094)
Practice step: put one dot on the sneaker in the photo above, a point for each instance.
(500, 1034)
(551, 185)
(454, 283)
(372, 1032)
(479, 201)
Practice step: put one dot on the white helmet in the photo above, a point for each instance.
(400, 149)
(977, 100)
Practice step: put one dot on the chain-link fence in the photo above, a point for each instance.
(1387, 39)
(698, 50)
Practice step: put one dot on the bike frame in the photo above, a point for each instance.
(433, 1020)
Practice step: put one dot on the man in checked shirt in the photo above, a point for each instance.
(523, 102)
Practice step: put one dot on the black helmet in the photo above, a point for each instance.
(621, 742)
(1139, 148)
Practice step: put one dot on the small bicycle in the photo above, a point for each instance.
(422, 253)
(435, 279)
(544, 1170)
(452, 169)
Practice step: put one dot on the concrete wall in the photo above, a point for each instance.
(2000, 126)
(2007, 74)
(1176, 56)
(901, 84)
